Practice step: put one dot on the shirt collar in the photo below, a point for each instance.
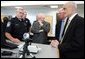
(70, 18)
(64, 20)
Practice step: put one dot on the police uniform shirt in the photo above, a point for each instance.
(18, 27)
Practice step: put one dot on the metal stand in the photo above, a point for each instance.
(25, 49)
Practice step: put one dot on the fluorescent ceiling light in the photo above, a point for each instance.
(18, 7)
(20, 3)
(54, 6)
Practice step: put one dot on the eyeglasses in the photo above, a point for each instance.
(64, 8)
(21, 12)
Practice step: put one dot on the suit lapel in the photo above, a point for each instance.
(72, 23)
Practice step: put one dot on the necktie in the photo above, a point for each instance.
(61, 30)
(65, 26)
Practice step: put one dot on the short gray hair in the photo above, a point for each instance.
(18, 9)
(73, 4)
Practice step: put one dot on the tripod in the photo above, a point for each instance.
(25, 49)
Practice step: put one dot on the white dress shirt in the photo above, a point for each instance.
(69, 21)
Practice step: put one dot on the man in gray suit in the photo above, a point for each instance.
(40, 29)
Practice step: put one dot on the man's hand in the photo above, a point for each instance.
(40, 22)
(15, 40)
(40, 30)
(9, 36)
(54, 43)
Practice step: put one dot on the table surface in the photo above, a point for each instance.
(47, 51)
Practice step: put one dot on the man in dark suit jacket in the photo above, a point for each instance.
(72, 44)
(61, 17)
(57, 30)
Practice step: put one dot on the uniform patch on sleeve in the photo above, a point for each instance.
(8, 24)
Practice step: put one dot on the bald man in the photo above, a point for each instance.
(40, 29)
(72, 43)
(16, 27)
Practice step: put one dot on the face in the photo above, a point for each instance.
(68, 10)
(40, 17)
(61, 15)
(20, 14)
(25, 14)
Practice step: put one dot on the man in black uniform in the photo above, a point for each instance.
(26, 20)
(17, 26)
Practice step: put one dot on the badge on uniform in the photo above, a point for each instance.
(8, 24)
